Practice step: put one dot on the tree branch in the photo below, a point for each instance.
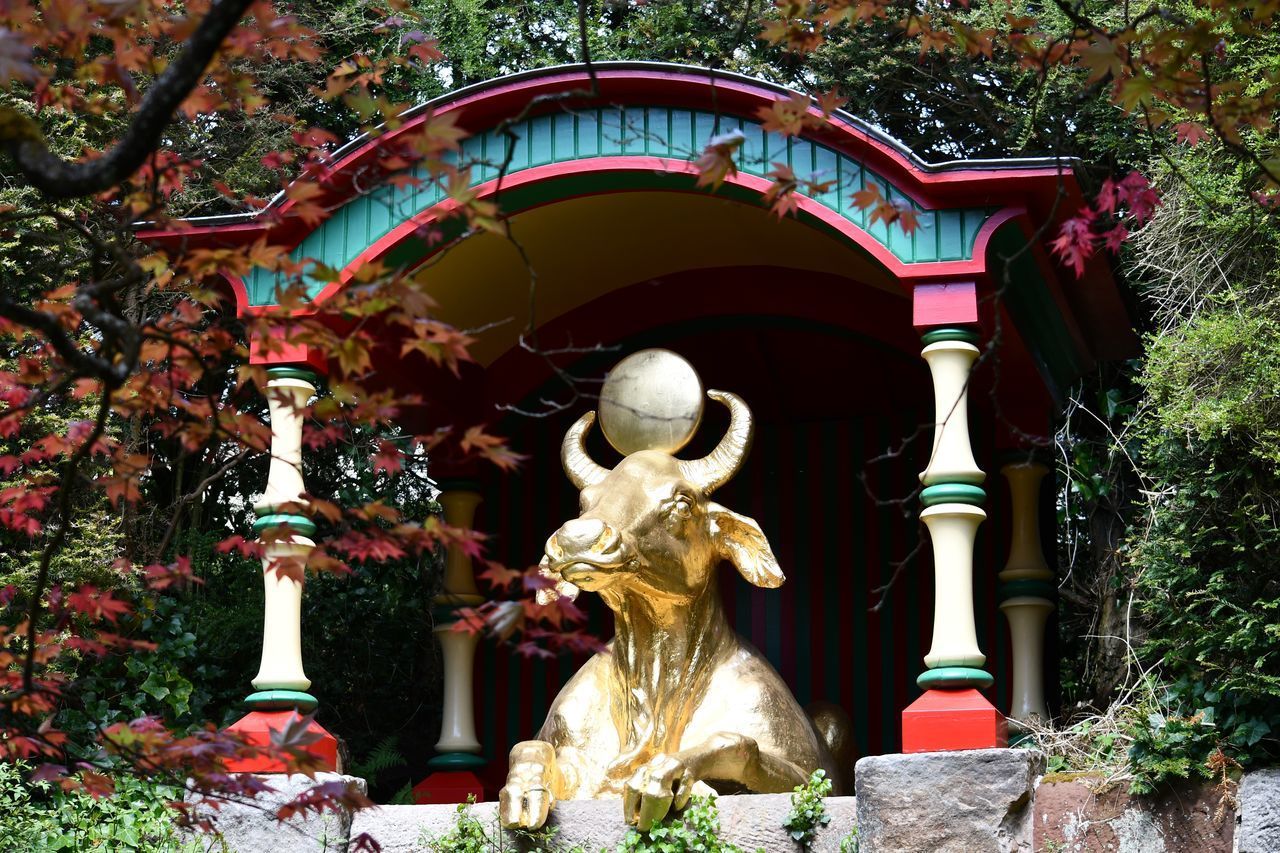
(61, 179)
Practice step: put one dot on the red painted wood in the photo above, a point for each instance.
(948, 720)
(1041, 196)
(953, 303)
(280, 352)
(480, 108)
(257, 727)
(453, 786)
(817, 213)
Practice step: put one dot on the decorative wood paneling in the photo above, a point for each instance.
(678, 134)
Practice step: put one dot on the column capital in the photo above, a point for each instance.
(280, 348)
(306, 374)
(963, 334)
(944, 304)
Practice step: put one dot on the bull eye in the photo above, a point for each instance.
(681, 507)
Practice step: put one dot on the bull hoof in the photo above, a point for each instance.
(526, 800)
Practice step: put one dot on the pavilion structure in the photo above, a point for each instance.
(852, 339)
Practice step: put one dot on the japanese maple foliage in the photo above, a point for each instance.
(145, 338)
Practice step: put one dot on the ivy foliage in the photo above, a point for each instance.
(697, 828)
(472, 835)
(808, 811)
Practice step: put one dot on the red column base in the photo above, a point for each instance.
(256, 728)
(448, 786)
(948, 720)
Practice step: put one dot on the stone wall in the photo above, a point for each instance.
(1082, 817)
(983, 801)
(751, 821)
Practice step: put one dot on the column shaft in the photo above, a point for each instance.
(453, 779)
(1026, 591)
(458, 648)
(284, 530)
(952, 714)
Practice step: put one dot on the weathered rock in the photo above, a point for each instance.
(749, 821)
(1260, 812)
(975, 801)
(1071, 817)
(251, 826)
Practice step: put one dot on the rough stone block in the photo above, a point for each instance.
(947, 802)
(1072, 817)
(251, 826)
(749, 821)
(1260, 812)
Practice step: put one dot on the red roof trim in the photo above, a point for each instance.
(480, 109)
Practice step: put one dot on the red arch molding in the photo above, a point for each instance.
(1034, 194)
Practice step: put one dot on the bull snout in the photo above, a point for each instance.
(583, 536)
(584, 539)
(585, 548)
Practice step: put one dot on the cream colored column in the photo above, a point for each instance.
(952, 498)
(282, 564)
(953, 529)
(287, 398)
(1026, 587)
(458, 648)
(284, 529)
(952, 458)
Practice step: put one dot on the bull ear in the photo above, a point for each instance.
(741, 541)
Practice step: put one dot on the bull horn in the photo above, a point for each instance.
(717, 468)
(578, 464)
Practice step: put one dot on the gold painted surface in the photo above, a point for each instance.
(586, 247)
(679, 699)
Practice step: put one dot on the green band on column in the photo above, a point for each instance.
(293, 373)
(443, 614)
(955, 676)
(1033, 588)
(299, 523)
(280, 700)
(456, 761)
(933, 336)
(952, 493)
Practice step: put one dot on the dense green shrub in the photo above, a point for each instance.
(1205, 558)
(39, 818)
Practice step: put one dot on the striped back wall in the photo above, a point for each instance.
(836, 539)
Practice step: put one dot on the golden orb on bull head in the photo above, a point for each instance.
(651, 400)
(678, 701)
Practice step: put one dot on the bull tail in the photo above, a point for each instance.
(835, 730)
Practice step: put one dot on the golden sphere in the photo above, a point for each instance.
(651, 400)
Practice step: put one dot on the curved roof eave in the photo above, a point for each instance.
(1035, 167)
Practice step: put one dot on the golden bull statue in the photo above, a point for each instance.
(678, 698)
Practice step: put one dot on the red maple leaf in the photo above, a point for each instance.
(388, 457)
(499, 575)
(1074, 244)
(89, 601)
(491, 447)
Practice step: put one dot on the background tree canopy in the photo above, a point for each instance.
(1169, 465)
